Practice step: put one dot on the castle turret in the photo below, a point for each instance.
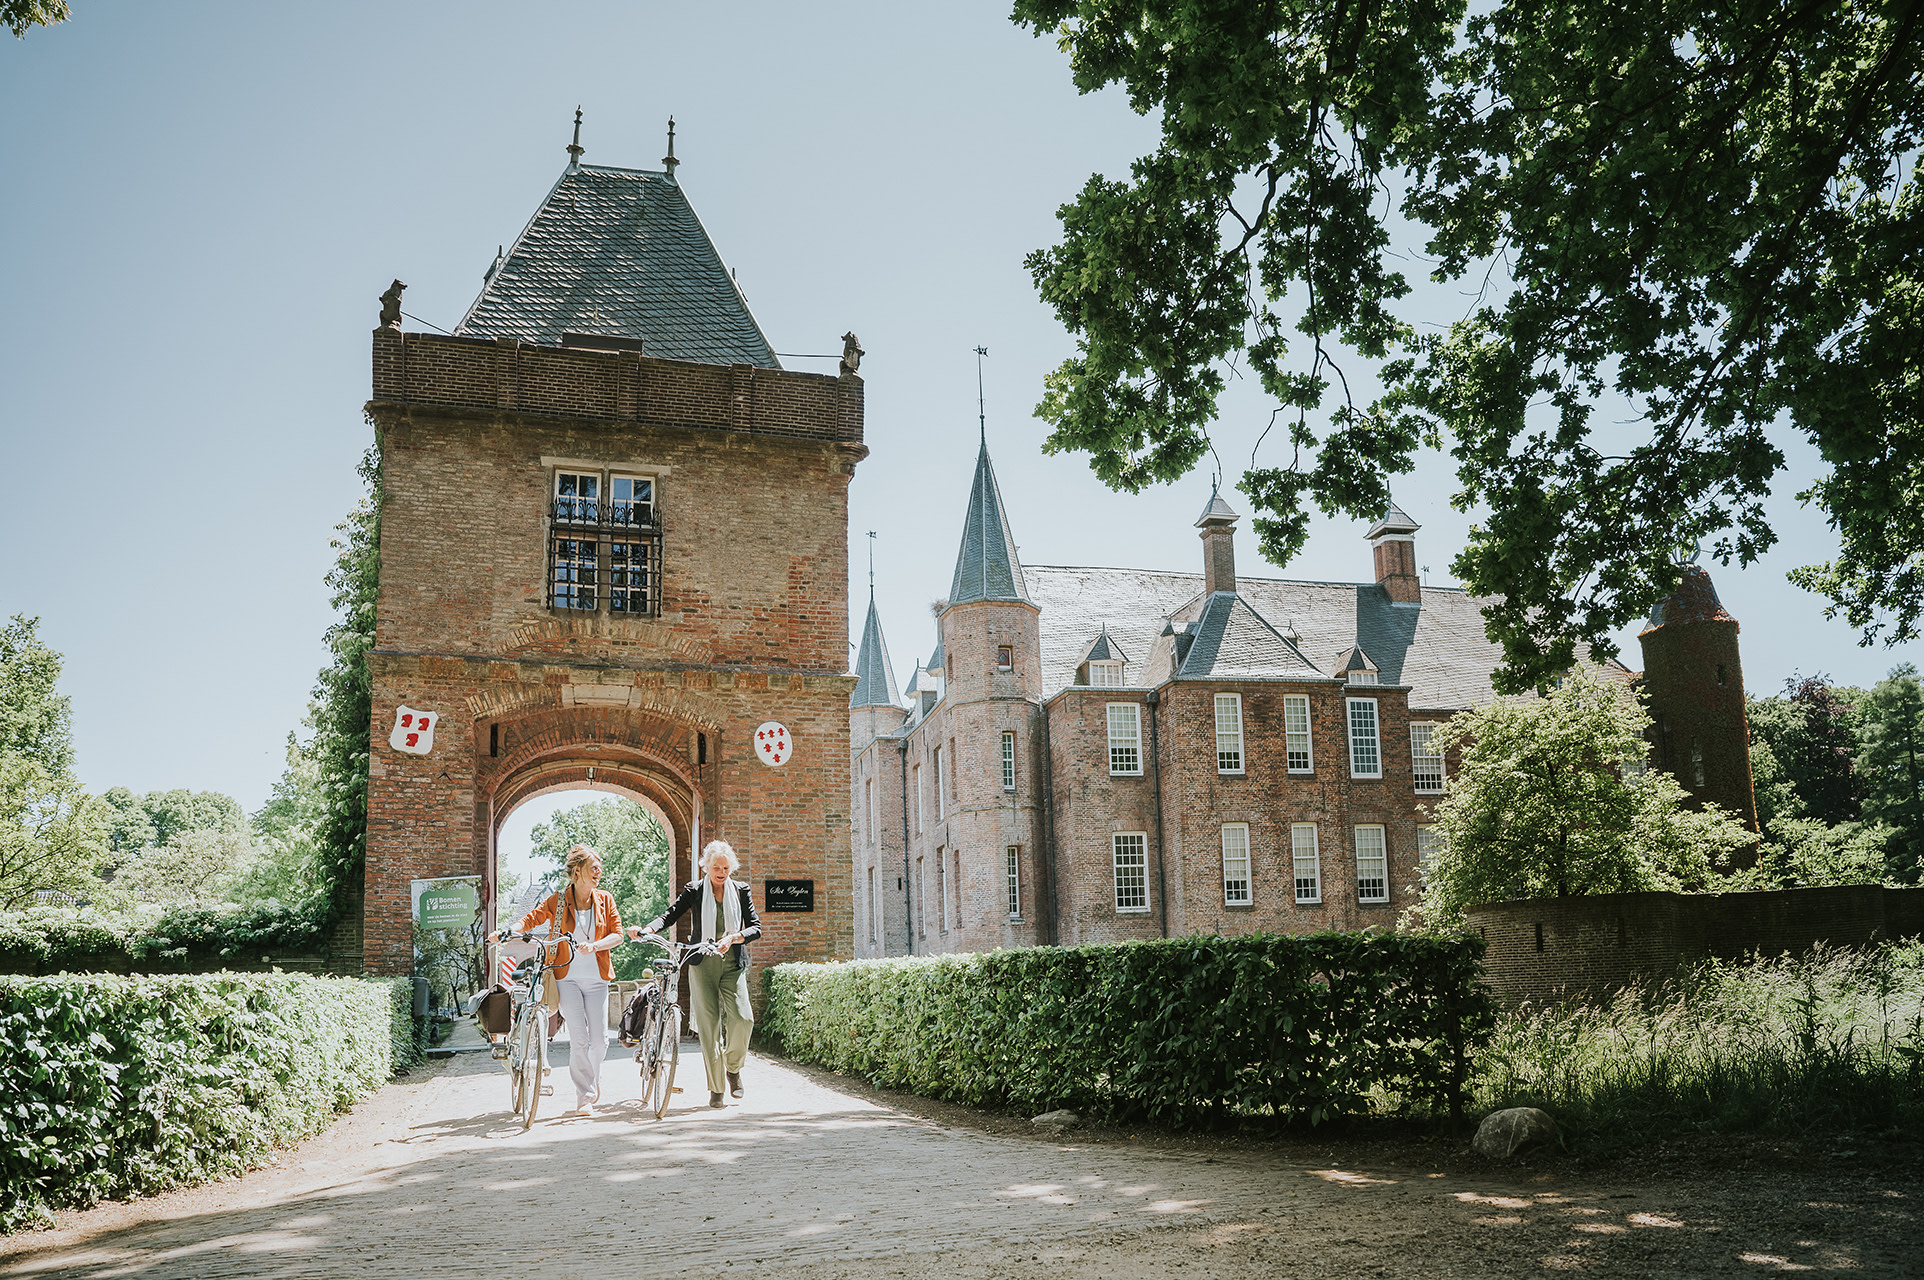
(874, 708)
(1694, 684)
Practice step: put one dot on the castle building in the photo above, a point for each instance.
(614, 555)
(1100, 754)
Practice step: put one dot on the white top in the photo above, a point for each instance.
(584, 930)
(731, 910)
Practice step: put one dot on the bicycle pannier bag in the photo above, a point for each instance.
(495, 1011)
(636, 1015)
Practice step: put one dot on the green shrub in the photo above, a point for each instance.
(42, 940)
(1832, 1040)
(1176, 1032)
(117, 1086)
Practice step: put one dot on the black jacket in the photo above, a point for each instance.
(689, 900)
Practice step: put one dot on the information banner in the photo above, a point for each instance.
(448, 948)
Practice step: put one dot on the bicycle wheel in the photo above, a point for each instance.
(536, 1071)
(667, 1056)
(521, 1063)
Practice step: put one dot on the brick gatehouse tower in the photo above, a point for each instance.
(614, 545)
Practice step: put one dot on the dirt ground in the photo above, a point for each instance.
(814, 1175)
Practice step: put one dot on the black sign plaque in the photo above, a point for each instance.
(788, 895)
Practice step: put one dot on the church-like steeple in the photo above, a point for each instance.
(874, 677)
(986, 567)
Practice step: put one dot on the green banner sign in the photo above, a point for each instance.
(449, 906)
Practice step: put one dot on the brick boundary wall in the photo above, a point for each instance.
(1542, 949)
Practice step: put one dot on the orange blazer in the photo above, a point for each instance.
(607, 921)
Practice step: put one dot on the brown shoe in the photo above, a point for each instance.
(714, 1100)
(735, 1084)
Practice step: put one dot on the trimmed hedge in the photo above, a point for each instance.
(1176, 1032)
(115, 1087)
(46, 940)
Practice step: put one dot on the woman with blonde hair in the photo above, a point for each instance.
(586, 920)
(718, 985)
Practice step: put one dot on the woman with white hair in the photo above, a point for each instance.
(724, 912)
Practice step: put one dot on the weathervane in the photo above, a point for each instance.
(981, 405)
(575, 149)
(668, 162)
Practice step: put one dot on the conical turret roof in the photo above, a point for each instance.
(874, 677)
(986, 567)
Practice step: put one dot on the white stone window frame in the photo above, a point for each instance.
(1229, 734)
(1426, 763)
(1296, 705)
(1365, 737)
(1129, 865)
(1428, 843)
(1239, 886)
(874, 910)
(1371, 843)
(1008, 760)
(941, 792)
(942, 888)
(1012, 870)
(1005, 657)
(1124, 723)
(1306, 859)
(915, 777)
(1106, 675)
(922, 896)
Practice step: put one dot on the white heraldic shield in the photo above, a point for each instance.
(413, 731)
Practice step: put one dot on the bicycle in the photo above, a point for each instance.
(658, 1043)
(527, 1058)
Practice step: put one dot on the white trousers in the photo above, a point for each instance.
(584, 1009)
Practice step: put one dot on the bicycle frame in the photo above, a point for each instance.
(528, 1035)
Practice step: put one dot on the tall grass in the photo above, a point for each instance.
(1828, 1041)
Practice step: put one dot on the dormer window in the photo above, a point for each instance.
(1105, 675)
(1362, 677)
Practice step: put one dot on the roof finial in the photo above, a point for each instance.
(871, 566)
(575, 149)
(981, 409)
(668, 162)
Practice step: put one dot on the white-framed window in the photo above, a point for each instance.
(956, 881)
(1362, 677)
(868, 807)
(1125, 738)
(604, 544)
(915, 780)
(1105, 675)
(1008, 760)
(1130, 852)
(941, 797)
(1372, 865)
(874, 910)
(1365, 750)
(1012, 871)
(1427, 844)
(1005, 657)
(1236, 890)
(1426, 761)
(1229, 733)
(941, 890)
(1308, 858)
(1296, 745)
(921, 897)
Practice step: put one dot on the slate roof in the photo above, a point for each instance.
(1438, 648)
(874, 678)
(1216, 512)
(1231, 641)
(986, 567)
(1393, 521)
(1103, 649)
(620, 253)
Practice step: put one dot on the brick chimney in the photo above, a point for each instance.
(1218, 525)
(1393, 541)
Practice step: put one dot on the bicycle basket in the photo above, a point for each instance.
(495, 1011)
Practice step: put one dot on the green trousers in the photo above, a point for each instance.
(723, 1018)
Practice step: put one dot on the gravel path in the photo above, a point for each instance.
(429, 1178)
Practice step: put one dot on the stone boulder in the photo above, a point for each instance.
(1057, 1120)
(1504, 1133)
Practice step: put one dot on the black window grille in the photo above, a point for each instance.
(605, 546)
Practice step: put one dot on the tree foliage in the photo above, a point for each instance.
(1551, 800)
(1706, 211)
(18, 15)
(53, 835)
(634, 854)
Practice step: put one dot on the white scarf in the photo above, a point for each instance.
(731, 910)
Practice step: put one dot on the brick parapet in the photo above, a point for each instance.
(504, 374)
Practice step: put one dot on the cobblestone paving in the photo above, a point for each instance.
(430, 1179)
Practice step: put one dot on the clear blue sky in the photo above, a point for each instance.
(201, 202)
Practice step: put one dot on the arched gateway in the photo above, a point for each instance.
(614, 550)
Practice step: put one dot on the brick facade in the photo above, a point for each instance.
(751, 468)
